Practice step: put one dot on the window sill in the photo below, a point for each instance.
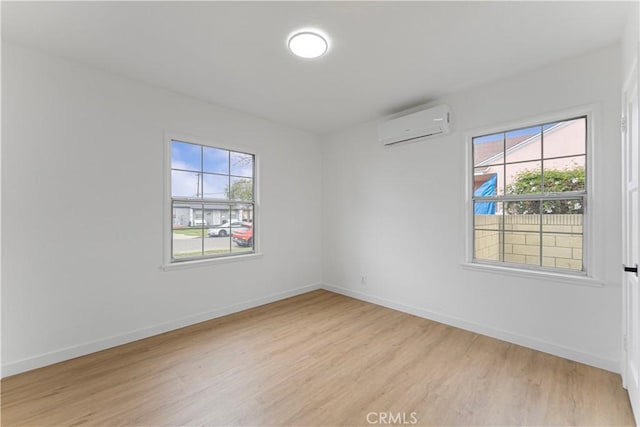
(531, 274)
(209, 262)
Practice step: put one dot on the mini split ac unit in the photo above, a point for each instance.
(415, 126)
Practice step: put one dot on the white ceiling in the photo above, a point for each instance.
(384, 57)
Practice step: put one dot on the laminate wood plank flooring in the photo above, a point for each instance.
(318, 359)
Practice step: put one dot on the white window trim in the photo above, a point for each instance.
(592, 231)
(167, 264)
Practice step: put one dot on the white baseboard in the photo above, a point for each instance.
(611, 365)
(72, 352)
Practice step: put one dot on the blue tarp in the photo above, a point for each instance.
(488, 188)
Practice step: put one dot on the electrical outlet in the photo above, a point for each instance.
(363, 281)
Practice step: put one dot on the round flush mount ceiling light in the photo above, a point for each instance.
(308, 44)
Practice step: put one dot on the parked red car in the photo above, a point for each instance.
(243, 236)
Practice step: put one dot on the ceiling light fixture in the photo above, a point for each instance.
(308, 44)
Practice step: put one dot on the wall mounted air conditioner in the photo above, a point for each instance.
(420, 125)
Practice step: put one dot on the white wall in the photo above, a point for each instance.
(82, 189)
(397, 215)
(631, 39)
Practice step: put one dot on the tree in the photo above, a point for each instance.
(555, 181)
(242, 189)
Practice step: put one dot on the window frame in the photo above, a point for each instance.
(169, 262)
(592, 255)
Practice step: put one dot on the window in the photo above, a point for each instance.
(212, 202)
(529, 196)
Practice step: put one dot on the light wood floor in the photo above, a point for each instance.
(316, 359)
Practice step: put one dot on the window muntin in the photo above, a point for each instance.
(212, 198)
(529, 196)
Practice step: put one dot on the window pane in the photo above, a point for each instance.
(197, 220)
(181, 216)
(488, 181)
(186, 156)
(186, 184)
(522, 232)
(487, 245)
(215, 186)
(487, 215)
(524, 144)
(563, 216)
(187, 238)
(242, 236)
(241, 164)
(488, 149)
(522, 215)
(523, 178)
(566, 138)
(217, 246)
(215, 160)
(562, 251)
(522, 248)
(218, 241)
(564, 174)
(218, 219)
(242, 212)
(566, 163)
(241, 189)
